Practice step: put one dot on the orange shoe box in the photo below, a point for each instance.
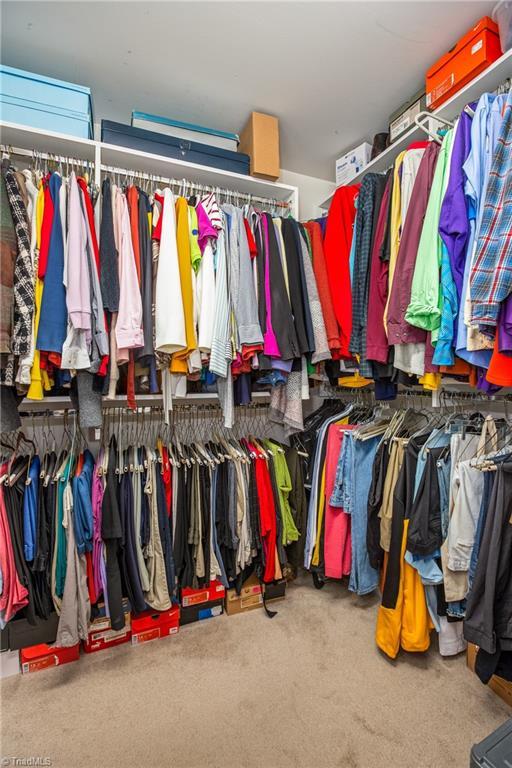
(214, 591)
(42, 656)
(152, 625)
(473, 53)
(101, 635)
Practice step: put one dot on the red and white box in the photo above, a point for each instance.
(37, 657)
(152, 625)
(102, 636)
(215, 591)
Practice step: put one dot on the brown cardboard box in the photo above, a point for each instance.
(502, 688)
(249, 598)
(260, 140)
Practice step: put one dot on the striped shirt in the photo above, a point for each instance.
(491, 274)
(210, 205)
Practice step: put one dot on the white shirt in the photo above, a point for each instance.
(170, 333)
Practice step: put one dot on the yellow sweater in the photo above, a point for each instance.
(179, 359)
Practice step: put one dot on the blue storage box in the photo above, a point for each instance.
(169, 146)
(46, 103)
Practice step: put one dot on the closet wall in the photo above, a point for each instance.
(311, 191)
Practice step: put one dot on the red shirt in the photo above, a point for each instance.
(268, 524)
(337, 243)
(46, 229)
(250, 239)
(157, 229)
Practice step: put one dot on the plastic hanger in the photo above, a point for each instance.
(421, 119)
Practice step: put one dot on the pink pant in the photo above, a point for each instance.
(337, 541)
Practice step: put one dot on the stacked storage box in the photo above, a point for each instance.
(43, 102)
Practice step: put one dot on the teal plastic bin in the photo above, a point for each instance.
(495, 751)
(43, 102)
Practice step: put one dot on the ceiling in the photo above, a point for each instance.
(331, 71)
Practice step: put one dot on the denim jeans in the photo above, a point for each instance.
(427, 568)
(456, 609)
(341, 495)
(356, 481)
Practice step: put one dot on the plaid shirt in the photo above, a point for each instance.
(491, 274)
(370, 196)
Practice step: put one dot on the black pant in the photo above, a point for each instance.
(489, 604)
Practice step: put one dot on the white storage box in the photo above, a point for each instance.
(9, 663)
(186, 131)
(352, 163)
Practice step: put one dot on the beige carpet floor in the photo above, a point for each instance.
(307, 689)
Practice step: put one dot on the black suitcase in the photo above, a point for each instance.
(170, 146)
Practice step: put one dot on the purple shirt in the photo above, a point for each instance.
(453, 219)
(206, 229)
(99, 568)
(270, 345)
(505, 326)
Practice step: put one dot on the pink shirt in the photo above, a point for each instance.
(78, 293)
(270, 345)
(14, 595)
(129, 333)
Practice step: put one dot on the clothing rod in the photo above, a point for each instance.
(53, 404)
(327, 391)
(36, 155)
(144, 175)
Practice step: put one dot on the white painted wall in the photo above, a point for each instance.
(311, 192)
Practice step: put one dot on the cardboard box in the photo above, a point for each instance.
(403, 118)
(202, 611)
(152, 625)
(501, 687)
(276, 590)
(42, 656)
(469, 56)
(214, 591)
(352, 163)
(9, 663)
(102, 636)
(259, 139)
(250, 597)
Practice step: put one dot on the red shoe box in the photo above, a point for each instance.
(38, 657)
(102, 636)
(214, 591)
(152, 625)
(474, 52)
